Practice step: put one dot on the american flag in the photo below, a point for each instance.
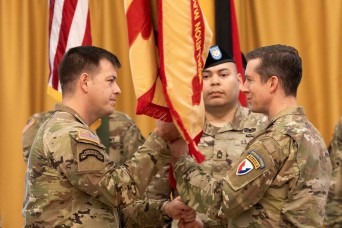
(69, 26)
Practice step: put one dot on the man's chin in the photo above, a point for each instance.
(109, 112)
(251, 107)
(254, 109)
(216, 103)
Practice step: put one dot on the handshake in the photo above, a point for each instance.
(176, 209)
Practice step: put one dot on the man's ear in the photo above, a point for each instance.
(84, 82)
(273, 83)
(240, 80)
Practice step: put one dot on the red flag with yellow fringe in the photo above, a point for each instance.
(167, 67)
(142, 19)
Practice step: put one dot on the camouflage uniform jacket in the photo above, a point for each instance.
(30, 130)
(124, 136)
(221, 147)
(334, 205)
(280, 180)
(70, 181)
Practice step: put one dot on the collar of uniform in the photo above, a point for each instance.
(239, 117)
(63, 108)
(236, 124)
(299, 110)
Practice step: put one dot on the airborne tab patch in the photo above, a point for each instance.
(256, 159)
(244, 167)
(88, 136)
(93, 153)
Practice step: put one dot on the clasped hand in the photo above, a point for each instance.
(176, 209)
(169, 133)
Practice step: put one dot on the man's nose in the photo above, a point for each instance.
(117, 89)
(244, 87)
(215, 80)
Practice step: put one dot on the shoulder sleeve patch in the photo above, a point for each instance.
(88, 136)
(90, 153)
(253, 163)
(90, 158)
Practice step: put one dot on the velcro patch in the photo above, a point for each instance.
(91, 152)
(88, 136)
(270, 146)
(91, 155)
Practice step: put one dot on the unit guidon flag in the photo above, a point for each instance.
(169, 43)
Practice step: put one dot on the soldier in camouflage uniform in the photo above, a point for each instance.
(282, 177)
(70, 181)
(228, 128)
(30, 131)
(124, 136)
(333, 216)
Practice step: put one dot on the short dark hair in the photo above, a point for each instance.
(281, 61)
(82, 59)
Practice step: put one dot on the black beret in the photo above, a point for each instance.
(216, 56)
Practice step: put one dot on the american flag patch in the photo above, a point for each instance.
(88, 136)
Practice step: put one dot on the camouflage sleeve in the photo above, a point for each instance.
(124, 137)
(234, 193)
(88, 168)
(131, 141)
(148, 212)
(145, 213)
(160, 187)
(333, 216)
(208, 222)
(30, 130)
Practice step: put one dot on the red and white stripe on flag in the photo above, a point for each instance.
(167, 74)
(69, 26)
